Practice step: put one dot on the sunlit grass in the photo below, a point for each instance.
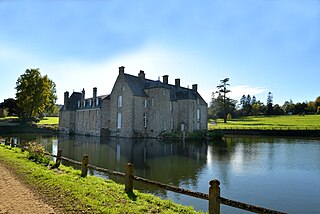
(49, 121)
(84, 195)
(283, 122)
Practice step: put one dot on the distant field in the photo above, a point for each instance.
(49, 121)
(284, 122)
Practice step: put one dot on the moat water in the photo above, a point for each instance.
(276, 173)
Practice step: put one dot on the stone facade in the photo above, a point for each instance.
(136, 107)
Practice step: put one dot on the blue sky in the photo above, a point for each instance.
(261, 45)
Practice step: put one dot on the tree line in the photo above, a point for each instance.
(222, 106)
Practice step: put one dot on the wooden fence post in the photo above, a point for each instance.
(128, 181)
(58, 159)
(214, 195)
(85, 161)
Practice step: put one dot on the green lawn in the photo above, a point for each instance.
(283, 122)
(49, 121)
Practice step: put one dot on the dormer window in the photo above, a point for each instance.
(79, 103)
(97, 101)
(145, 103)
(84, 104)
(90, 102)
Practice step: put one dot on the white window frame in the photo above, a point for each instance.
(145, 120)
(119, 120)
(145, 103)
(119, 101)
(198, 118)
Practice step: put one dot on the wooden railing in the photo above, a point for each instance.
(213, 196)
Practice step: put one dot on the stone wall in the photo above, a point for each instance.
(67, 121)
(121, 88)
(88, 122)
(159, 116)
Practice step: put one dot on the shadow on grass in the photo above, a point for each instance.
(132, 196)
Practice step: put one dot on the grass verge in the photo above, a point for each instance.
(64, 188)
(283, 122)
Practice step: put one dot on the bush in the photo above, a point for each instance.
(170, 135)
(197, 135)
(37, 153)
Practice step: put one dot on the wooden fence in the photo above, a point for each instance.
(213, 196)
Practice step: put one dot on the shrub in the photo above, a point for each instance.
(37, 153)
(197, 135)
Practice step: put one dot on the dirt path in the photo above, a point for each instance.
(15, 197)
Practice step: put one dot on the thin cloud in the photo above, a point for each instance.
(240, 90)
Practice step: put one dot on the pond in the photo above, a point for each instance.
(277, 173)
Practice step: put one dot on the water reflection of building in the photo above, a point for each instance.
(173, 163)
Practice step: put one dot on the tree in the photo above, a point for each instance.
(35, 95)
(223, 90)
(11, 105)
(277, 110)
(269, 110)
(288, 107)
(218, 107)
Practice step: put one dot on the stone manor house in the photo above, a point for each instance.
(136, 107)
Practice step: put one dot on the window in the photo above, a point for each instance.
(198, 114)
(97, 101)
(145, 103)
(145, 120)
(198, 119)
(84, 104)
(119, 120)
(90, 101)
(120, 101)
(79, 103)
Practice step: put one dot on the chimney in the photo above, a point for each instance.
(142, 75)
(177, 82)
(121, 70)
(94, 96)
(66, 99)
(195, 87)
(165, 79)
(82, 98)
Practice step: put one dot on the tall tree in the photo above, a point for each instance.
(35, 95)
(218, 107)
(223, 90)
(269, 104)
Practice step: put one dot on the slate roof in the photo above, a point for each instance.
(76, 96)
(138, 87)
(73, 101)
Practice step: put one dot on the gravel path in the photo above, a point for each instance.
(15, 197)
